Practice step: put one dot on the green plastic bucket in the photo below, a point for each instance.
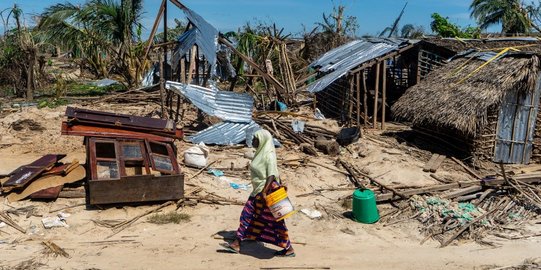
(364, 206)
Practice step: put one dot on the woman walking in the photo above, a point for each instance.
(256, 221)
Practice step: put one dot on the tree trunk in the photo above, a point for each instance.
(30, 78)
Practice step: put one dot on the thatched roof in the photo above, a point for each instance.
(442, 100)
(524, 44)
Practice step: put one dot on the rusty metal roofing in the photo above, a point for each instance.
(225, 133)
(339, 61)
(83, 122)
(228, 106)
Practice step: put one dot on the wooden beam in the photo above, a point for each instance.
(365, 97)
(376, 96)
(350, 98)
(470, 171)
(178, 4)
(154, 28)
(250, 62)
(358, 84)
(162, 87)
(384, 90)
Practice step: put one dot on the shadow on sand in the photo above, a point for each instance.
(248, 247)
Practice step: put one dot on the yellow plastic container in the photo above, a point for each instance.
(279, 204)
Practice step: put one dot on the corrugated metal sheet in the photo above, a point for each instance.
(339, 61)
(473, 53)
(225, 133)
(203, 34)
(516, 127)
(228, 106)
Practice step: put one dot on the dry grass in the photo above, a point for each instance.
(171, 217)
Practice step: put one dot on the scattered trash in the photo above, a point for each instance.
(105, 82)
(34, 230)
(348, 136)
(54, 249)
(196, 156)
(298, 126)
(2, 225)
(318, 115)
(240, 186)
(216, 172)
(63, 215)
(281, 106)
(347, 231)
(311, 213)
(51, 222)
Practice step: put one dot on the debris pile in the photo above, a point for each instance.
(42, 179)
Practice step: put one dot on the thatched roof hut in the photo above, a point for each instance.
(471, 96)
(525, 44)
(445, 99)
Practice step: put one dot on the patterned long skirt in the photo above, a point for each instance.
(258, 223)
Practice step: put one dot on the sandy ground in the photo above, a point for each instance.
(338, 243)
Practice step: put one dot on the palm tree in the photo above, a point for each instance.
(509, 13)
(104, 33)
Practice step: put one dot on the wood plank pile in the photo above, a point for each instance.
(282, 130)
(45, 178)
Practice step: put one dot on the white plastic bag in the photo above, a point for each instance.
(196, 156)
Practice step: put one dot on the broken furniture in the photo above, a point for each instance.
(129, 158)
(42, 179)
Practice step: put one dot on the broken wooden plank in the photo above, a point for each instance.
(430, 163)
(123, 225)
(437, 188)
(463, 191)
(54, 249)
(24, 174)
(470, 171)
(437, 163)
(465, 227)
(6, 219)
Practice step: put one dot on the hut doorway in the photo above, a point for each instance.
(516, 127)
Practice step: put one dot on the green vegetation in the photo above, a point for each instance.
(444, 28)
(171, 217)
(51, 102)
(511, 14)
(18, 55)
(104, 34)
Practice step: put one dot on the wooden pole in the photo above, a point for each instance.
(197, 65)
(358, 84)
(365, 98)
(376, 96)
(350, 97)
(192, 66)
(418, 71)
(162, 86)
(255, 66)
(183, 70)
(154, 28)
(384, 97)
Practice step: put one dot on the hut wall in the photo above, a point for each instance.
(333, 100)
(485, 141)
(536, 152)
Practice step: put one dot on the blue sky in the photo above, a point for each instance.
(373, 15)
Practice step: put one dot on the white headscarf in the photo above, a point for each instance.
(264, 163)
